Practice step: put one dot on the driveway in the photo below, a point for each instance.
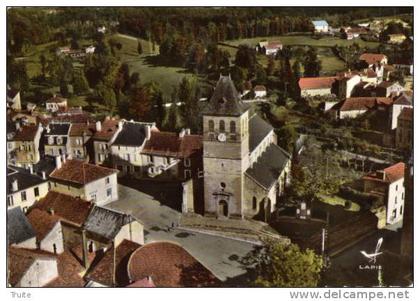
(218, 254)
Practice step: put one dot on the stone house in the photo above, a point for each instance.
(401, 102)
(24, 146)
(272, 48)
(404, 133)
(260, 91)
(175, 155)
(374, 58)
(128, 144)
(316, 86)
(355, 106)
(90, 182)
(24, 188)
(55, 104)
(388, 184)
(49, 233)
(20, 232)
(71, 211)
(104, 136)
(56, 139)
(30, 268)
(105, 226)
(81, 146)
(234, 141)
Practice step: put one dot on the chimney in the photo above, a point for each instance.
(381, 174)
(98, 126)
(182, 133)
(107, 118)
(17, 125)
(148, 130)
(120, 124)
(187, 131)
(44, 175)
(31, 169)
(85, 250)
(15, 185)
(58, 162)
(64, 159)
(51, 211)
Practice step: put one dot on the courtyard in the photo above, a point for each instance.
(220, 255)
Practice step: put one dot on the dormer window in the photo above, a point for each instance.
(50, 140)
(59, 140)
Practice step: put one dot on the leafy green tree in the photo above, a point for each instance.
(270, 66)
(188, 93)
(43, 62)
(107, 95)
(260, 75)
(312, 64)
(172, 121)
(287, 136)
(17, 75)
(284, 265)
(246, 57)
(80, 83)
(141, 103)
(397, 76)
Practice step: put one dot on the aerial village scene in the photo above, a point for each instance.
(161, 147)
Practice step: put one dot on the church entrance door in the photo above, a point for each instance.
(223, 208)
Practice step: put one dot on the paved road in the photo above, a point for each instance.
(218, 254)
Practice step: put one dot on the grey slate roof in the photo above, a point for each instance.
(258, 130)
(404, 100)
(269, 166)
(59, 129)
(225, 100)
(18, 227)
(106, 222)
(132, 134)
(24, 179)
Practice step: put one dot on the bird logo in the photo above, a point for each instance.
(372, 256)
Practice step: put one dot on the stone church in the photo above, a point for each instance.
(245, 171)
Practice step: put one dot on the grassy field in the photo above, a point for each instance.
(304, 41)
(337, 201)
(146, 64)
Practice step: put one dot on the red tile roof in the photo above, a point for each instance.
(69, 268)
(80, 172)
(274, 45)
(169, 265)
(26, 133)
(77, 129)
(307, 83)
(20, 259)
(145, 282)
(259, 88)
(103, 270)
(391, 174)
(364, 103)
(67, 208)
(108, 129)
(56, 99)
(42, 222)
(171, 145)
(372, 58)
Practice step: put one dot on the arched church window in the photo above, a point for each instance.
(232, 127)
(211, 126)
(221, 126)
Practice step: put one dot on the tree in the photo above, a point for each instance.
(141, 103)
(312, 64)
(80, 83)
(246, 58)
(270, 66)
(172, 121)
(139, 48)
(284, 265)
(260, 75)
(287, 137)
(397, 76)
(107, 95)
(17, 75)
(188, 93)
(43, 62)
